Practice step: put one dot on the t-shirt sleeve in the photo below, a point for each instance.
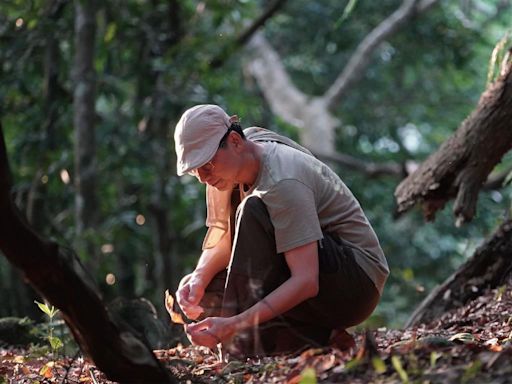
(292, 209)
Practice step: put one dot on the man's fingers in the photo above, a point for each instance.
(204, 324)
(195, 293)
(192, 311)
(202, 333)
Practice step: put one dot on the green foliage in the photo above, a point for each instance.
(421, 83)
(402, 373)
(378, 365)
(308, 376)
(49, 310)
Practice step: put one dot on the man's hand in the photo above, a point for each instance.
(188, 296)
(212, 331)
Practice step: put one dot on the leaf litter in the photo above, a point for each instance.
(471, 344)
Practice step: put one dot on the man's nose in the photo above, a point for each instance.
(202, 176)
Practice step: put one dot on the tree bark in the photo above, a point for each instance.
(84, 121)
(57, 274)
(488, 268)
(462, 164)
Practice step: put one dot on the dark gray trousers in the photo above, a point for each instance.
(346, 296)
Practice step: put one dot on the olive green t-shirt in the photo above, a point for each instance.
(305, 197)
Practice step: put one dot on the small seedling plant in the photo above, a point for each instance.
(51, 311)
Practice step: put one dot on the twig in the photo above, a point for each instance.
(93, 377)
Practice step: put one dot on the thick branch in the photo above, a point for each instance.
(357, 64)
(247, 33)
(58, 276)
(285, 99)
(462, 164)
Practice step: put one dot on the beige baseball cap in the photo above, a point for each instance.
(198, 134)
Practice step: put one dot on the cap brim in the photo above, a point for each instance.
(199, 162)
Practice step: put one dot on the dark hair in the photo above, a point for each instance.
(233, 127)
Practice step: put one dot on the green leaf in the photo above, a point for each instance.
(49, 310)
(434, 356)
(55, 342)
(352, 364)
(500, 291)
(378, 365)
(308, 376)
(43, 307)
(110, 33)
(346, 13)
(397, 364)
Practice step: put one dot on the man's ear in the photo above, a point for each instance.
(236, 140)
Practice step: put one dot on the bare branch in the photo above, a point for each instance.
(285, 99)
(354, 70)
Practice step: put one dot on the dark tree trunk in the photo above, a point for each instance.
(489, 267)
(59, 276)
(163, 271)
(462, 164)
(163, 265)
(36, 196)
(84, 124)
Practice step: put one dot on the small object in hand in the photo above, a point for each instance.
(177, 317)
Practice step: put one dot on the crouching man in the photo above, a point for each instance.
(289, 256)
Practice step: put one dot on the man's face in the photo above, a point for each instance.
(221, 171)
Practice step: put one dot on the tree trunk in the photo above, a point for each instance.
(59, 276)
(84, 124)
(489, 267)
(461, 165)
(36, 196)
(162, 273)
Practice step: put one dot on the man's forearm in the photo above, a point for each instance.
(214, 260)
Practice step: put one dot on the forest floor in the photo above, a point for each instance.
(472, 344)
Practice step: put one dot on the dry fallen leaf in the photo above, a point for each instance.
(176, 317)
(47, 370)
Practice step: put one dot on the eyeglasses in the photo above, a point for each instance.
(210, 166)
